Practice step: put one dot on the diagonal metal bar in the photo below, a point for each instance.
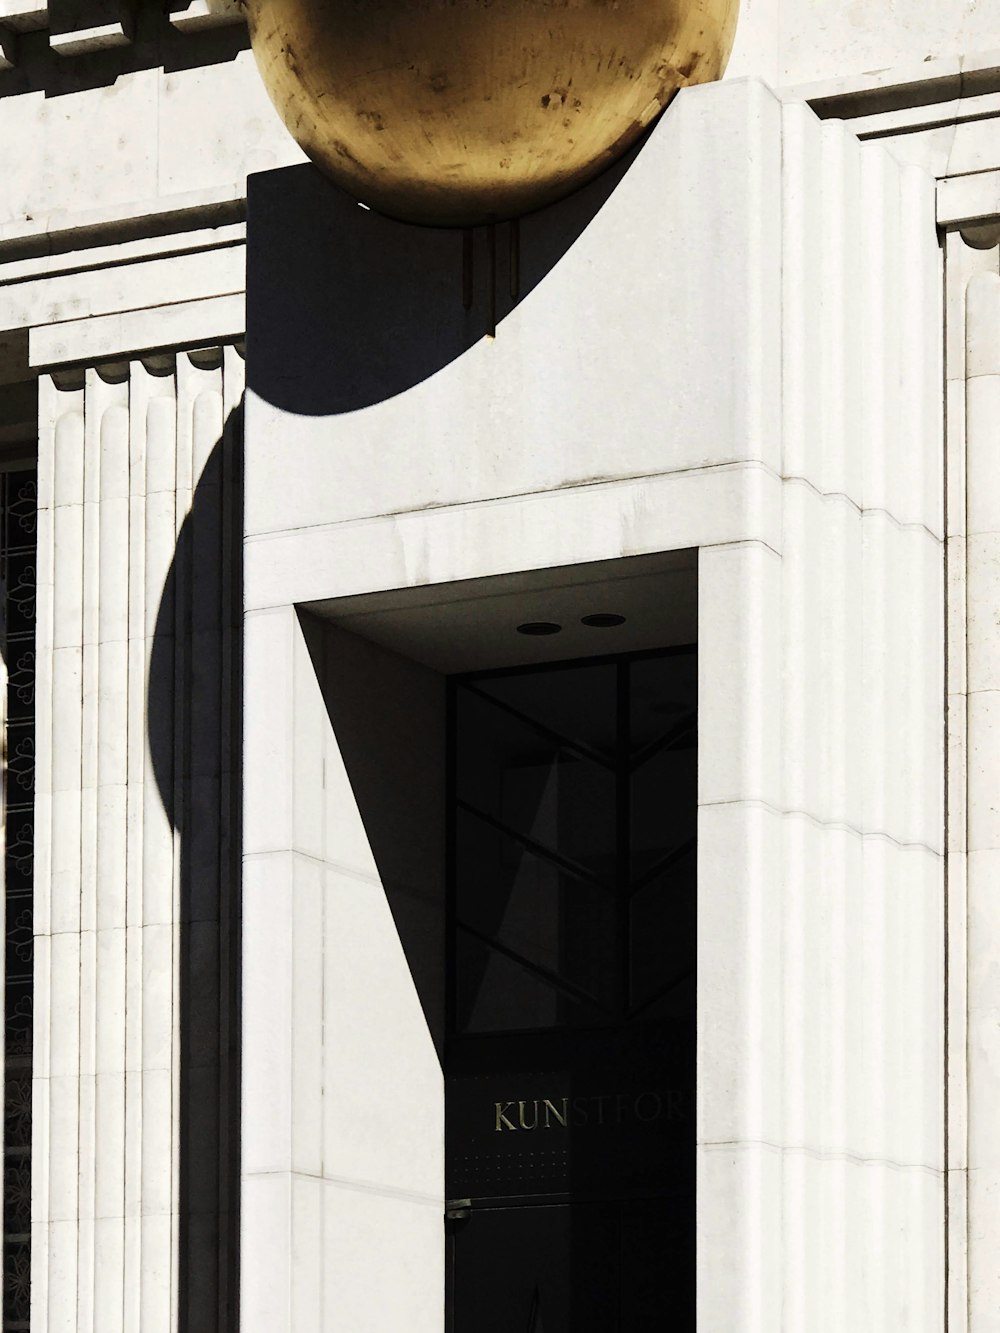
(557, 738)
(665, 863)
(536, 1305)
(670, 740)
(537, 848)
(661, 994)
(553, 978)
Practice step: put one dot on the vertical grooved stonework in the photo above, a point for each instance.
(756, 306)
(862, 592)
(981, 849)
(136, 1068)
(835, 832)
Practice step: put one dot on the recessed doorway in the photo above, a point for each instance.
(570, 1044)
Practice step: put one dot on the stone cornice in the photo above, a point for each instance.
(901, 89)
(168, 215)
(924, 113)
(127, 280)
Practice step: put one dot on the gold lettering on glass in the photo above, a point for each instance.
(521, 1120)
(502, 1121)
(599, 1109)
(550, 1109)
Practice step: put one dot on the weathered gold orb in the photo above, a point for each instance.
(457, 112)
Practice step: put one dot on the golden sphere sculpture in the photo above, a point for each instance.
(460, 112)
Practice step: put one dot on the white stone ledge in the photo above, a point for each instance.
(186, 324)
(737, 502)
(916, 85)
(968, 200)
(198, 15)
(904, 120)
(83, 41)
(125, 252)
(79, 27)
(60, 232)
(113, 290)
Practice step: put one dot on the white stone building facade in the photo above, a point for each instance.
(276, 469)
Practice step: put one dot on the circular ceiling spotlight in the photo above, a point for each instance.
(538, 627)
(602, 620)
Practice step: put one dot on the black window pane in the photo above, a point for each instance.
(663, 762)
(570, 1061)
(550, 796)
(664, 810)
(663, 937)
(535, 912)
(17, 557)
(574, 843)
(663, 692)
(579, 702)
(497, 993)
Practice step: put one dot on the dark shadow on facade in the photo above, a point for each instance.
(18, 588)
(388, 300)
(194, 728)
(395, 303)
(387, 713)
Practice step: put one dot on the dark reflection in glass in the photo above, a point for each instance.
(535, 787)
(540, 924)
(577, 703)
(663, 940)
(570, 1061)
(575, 813)
(18, 568)
(663, 809)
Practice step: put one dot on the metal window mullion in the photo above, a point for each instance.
(531, 845)
(556, 738)
(623, 831)
(451, 858)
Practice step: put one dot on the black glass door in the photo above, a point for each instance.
(570, 1058)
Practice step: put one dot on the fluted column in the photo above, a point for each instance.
(980, 887)
(135, 1074)
(821, 771)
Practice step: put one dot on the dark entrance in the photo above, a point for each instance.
(570, 1055)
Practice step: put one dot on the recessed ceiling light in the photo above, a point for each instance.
(538, 627)
(602, 620)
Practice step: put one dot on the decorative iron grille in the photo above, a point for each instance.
(18, 517)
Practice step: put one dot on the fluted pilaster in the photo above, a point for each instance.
(977, 850)
(824, 837)
(135, 1074)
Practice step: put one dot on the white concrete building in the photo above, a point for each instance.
(307, 844)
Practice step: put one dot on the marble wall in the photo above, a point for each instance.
(735, 348)
(137, 836)
(973, 340)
